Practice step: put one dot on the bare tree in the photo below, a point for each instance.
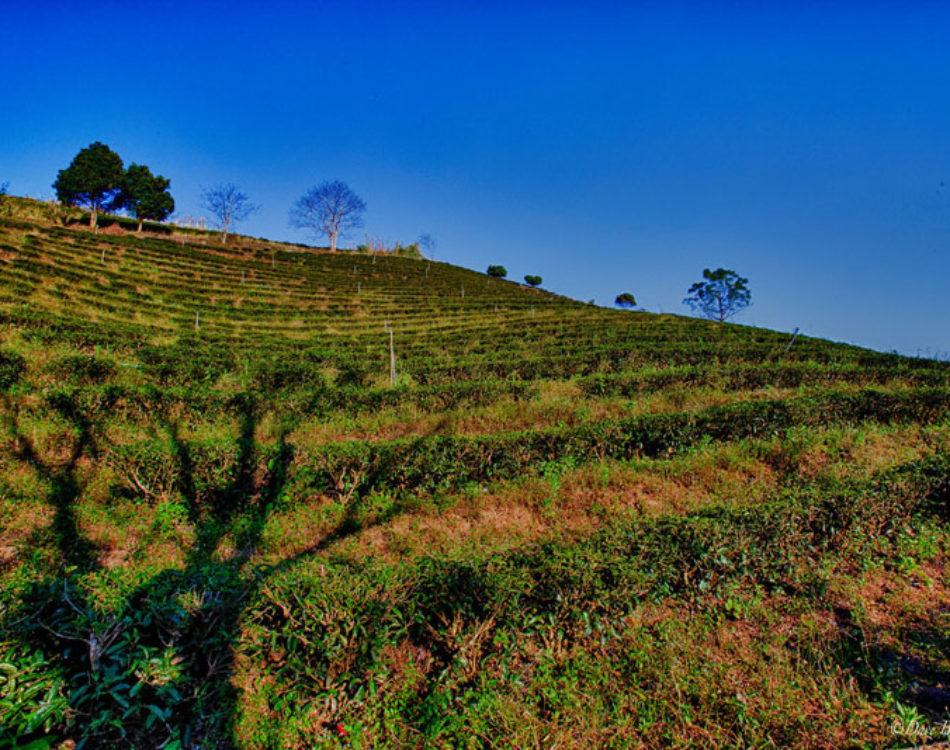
(330, 209)
(427, 242)
(228, 205)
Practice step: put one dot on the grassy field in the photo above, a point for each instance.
(223, 525)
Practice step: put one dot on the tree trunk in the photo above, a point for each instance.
(139, 230)
(94, 220)
(333, 242)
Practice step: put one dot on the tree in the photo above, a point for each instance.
(228, 205)
(145, 195)
(497, 272)
(329, 209)
(92, 180)
(626, 300)
(533, 280)
(427, 242)
(720, 295)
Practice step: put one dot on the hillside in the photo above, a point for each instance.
(221, 523)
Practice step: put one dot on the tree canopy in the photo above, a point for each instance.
(145, 195)
(720, 295)
(531, 280)
(498, 272)
(92, 180)
(625, 299)
(329, 209)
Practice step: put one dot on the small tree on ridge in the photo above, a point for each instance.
(92, 180)
(228, 205)
(720, 295)
(329, 209)
(428, 244)
(145, 195)
(626, 299)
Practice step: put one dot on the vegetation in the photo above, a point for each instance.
(626, 300)
(93, 180)
(228, 205)
(428, 244)
(145, 195)
(331, 209)
(562, 526)
(497, 272)
(534, 281)
(720, 295)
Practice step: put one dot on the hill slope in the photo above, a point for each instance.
(221, 523)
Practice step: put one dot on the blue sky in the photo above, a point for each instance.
(606, 146)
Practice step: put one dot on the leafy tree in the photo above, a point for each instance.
(329, 209)
(228, 205)
(3, 188)
(497, 272)
(92, 180)
(145, 195)
(625, 300)
(533, 280)
(720, 295)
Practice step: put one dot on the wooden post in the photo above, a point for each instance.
(102, 258)
(392, 353)
(792, 340)
(392, 358)
(197, 319)
(242, 276)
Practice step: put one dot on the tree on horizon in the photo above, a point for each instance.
(329, 209)
(92, 180)
(228, 205)
(721, 294)
(145, 195)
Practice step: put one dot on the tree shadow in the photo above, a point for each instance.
(154, 669)
(72, 548)
(883, 665)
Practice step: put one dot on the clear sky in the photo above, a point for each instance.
(606, 146)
